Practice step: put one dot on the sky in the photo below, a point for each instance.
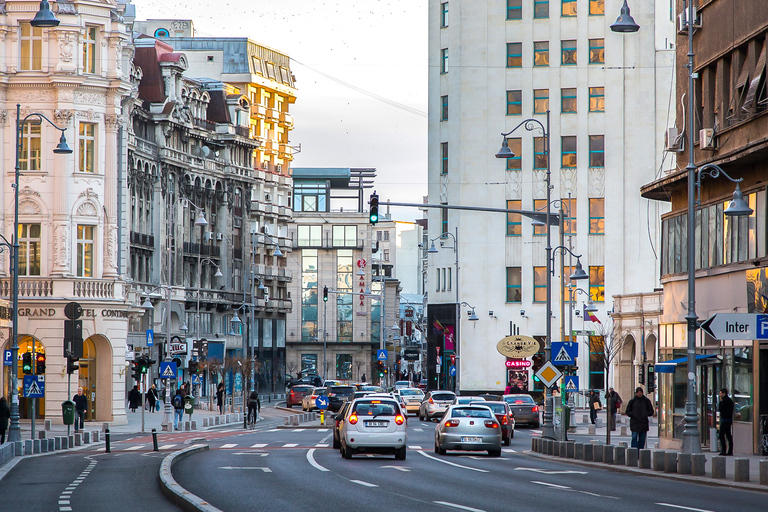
(361, 75)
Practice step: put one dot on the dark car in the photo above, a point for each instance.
(524, 408)
(505, 416)
(337, 424)
(297, 394)
(337, 395)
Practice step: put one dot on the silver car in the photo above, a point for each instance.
(468, 427)
(466, 400)
(308, 402)
(412, 398)
(373, 424)
(435, 403)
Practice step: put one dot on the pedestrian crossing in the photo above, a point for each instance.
(120, 447)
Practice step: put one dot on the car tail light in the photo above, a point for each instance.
(431, 401)
(452, 423)
(491, 424)
(399, 419)
(313, 397)
(535, 408)
(353, 419)
(504, 420)
(292, 394)
(331, 394)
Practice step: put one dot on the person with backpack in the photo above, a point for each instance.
(178, 407)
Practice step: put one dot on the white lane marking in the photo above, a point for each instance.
(266, 470)
(683, 508)
(259, 445)
(598, 495)
(321, 445)
(137, 447)
(546, 472)
(166, 447)
(311, 460)
(418, 430)
(367, 484)
(322, 430)
(290, 445)
(399, 468)
(64, 502)
(273, 430)
(508, 450)
(414, 447)
(476, 457)
(549, 484)
(229, 445)
(460, 507)
(260, 454)
(298, 430)
(450, 463)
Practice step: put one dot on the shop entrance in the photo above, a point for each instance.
(86, 378)
(711, 382)
(29, 363)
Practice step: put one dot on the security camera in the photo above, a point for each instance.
(522, 312)
(577, 312)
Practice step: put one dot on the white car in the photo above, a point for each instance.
(373, 425)
(435, 403)
(308, 402)
(412, 398)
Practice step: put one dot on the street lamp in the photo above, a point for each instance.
(14, 432)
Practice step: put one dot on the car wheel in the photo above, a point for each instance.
(511, 435)
(507, 440)
(536, 425)
(290, 406)
(346, 451)
(494, 453)
(336, 444)
(421, 418)
(400, 453)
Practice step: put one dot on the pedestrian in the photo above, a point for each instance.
(187, 389)
(613, 402)
(726, 422)
(81, 405)
(516, 389)
(134, 399)
(254, 406)
(639, 409)
(362, 379)
(5, 414)
(508, 389)
(151, 398)
(178, 407)
(317, 381)
(594, 405)
(220, 397)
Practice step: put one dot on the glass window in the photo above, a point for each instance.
(514, 55)
(344, 283)
(444, 158)
(541, 8)
(87, 147)
(516, 146)
(597, 151)
(597, 99)
(310, 236)
(540, 101)
(541, 53)
(344, 363)
(568, 100)
(569, 8)
(597, 362)
(444, 220)
(514, 9)
(597, 51)
(444, 14)
(569, 216)
(29, 249)
(514, 220)
(89, 50)
(540, 205)
(309, 270)
(443, 108)
(568, 57)
(84, 251)
(597, 216)
(31, 48)
(514, 284)
(597, 283)
(539, 153)
(597, 7)
(444, 60)
(309, 364)
(539, 284)
(310, 196)
(344, 236)
(29, 158)
(514, 103)
(568, 148)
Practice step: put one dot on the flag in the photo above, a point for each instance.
(589, 316)
(439, 329)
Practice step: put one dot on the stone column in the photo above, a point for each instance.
(111, 123)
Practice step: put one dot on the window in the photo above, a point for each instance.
(540, 101)
(444, 158)
(568, 100)
(514, 220)
(596, 151)
(514, 103)
(597, 7)
(382, 236)
(597, 283)
(386, 255)
(597, 216)
(597, 99)
(597, 362)
(438, 280)
(444, 14)
(344, 361)
(344, 236)
(569, 216)
(539, 284)
(568, 57)
(514, 9)
(539, 153)
(87, 147)
(568, 149)
(29, 249)
(443, 108)
(89, 50)
(29, 159)
(541, 53)
(514, 284)
(444, 60)
(540, 205)
(516, 162)
(309, 284)
(569, 8)
(31, 48)
(310, 236)
(84, 251)
(541, 8)
(444, 220)
(597, 51)
(309, 364)
(514, 55)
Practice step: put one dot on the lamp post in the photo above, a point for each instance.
(432, 250)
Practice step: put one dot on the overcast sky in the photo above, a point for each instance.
(361, 75)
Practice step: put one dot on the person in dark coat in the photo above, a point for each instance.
(639, 409)
(134, 399)
(220, 397)
(594, 405)
(5, 415)
(151, 398)
(81, 405)
(613, 402)
(726, 422)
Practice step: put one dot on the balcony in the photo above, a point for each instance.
(243, 131)
(201, 249)
(142, 239)
(41, 287)
(286, 119)
(258, 111)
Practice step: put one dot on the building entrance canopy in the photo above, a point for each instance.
(669, 366)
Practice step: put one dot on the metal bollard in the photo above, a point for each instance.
(107, 437)
(154, 440)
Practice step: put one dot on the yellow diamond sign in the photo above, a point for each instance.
(549, 374)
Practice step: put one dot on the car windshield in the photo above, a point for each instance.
(302, 389)
(342, 390)
(411, 392)
(470, 412)
(319, 391)
(375, 408)
(443, 396)
(518, 399)
(496, 408)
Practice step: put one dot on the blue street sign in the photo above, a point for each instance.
(196, 380)
(762, 327)
(571, 383)
(381, 355)
(34, 386)
(321, 402)
(564, 353)
(150, 337)
(8, 358)
(168, 370)
(452, 371)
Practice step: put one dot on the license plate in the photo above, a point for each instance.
(471, 439)
(376, 423)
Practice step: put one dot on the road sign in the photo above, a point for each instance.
(736, 326)
(583, 333)
(8, 358)
(549, 374)
(381, 355)
(571, 383)
(411, 354)
(196, 379)
(518, 346)
(322, 402)
(564, 352)
(34, 386)
(150, 337)
(439, 361)
(452, 371)
(168, 370)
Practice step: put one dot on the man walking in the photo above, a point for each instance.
(726, 422)
(178, 407)
(594, 406)
(613, 402)
(81, 405)
(639, 409)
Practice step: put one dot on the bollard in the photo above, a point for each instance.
(718, 466)
(620, 455)
(578, 451)
(741, 470)
(608, 453)
(154, 440)
(684, 463)
(591, 430)
(658, 460)
(588, 453)
(698, 460)
(763, 465)
(597, 452)
(569, 449)
(644, 458)
(670, 462)
(106, 438)
(631, 457)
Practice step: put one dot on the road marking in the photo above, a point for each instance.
(166, 447)
(321, 445)
(367, 484)
(291, 445)
(322, 430)
(550, 485)
(450, 463)
(599, 495)
(508, 450)
(546, 472)
(266, 470)
(311, 460)
(414, 447)
(418, 430)
(485, 458)
(399, 468)
(137, 447)
(260, 454)
(460, 507)
(273, 430)
(229, 445)
(259, 445)
(683, 508)
(298, 430)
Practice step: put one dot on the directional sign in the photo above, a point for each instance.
(452, 371)
(381, 355)
(564, 352)
(583, 333)
(736, 326)
(34, 386)
(8, 358)
(150, 337)
(549, 374)
(571, 383)
(322, 402)
(168, 370)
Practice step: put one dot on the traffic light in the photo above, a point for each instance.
(40, 366)
(325, 294)
(73, 365)
(148, 362)
(193, 367)
(381, 369)
(136, 370)
(374, 212)
(26, 362)
(641, 375)
(144, 363)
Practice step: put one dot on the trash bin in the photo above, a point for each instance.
(68, 412)
(189, 404)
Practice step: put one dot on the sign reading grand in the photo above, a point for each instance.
(518, 346)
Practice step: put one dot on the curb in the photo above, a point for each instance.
(174, 492)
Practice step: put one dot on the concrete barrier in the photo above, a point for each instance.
(658, 460)
(47, 424)
(608, 453)
(578, 451)
(18, 448)
(585, 418)
(57, 443)
(51, 444)
(35, 446)
(78, 439)
(43, 445)
(71, 440)
(741, 470)
(624, 444)
(763, 466)
(644, 459)
(65, 442)
(104, 426)
(28, 446)
(86, 437)
(173, 491)
(620, 455)
(597, 452)
(632, 457)
(7, 452)
(591, 430)
(670, 462)
(569, 449)
(684, 463)
(698, 463)
(205, 422)
(42, 434)
(623, 430)
(589, 451)
(95, 435)
(718, 467)
(217, 420)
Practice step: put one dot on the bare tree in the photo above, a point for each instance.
(359, 363)
(292, 367)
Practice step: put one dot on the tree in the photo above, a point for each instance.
(292, 367)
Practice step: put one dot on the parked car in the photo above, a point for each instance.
(296, 394)
(423, 385)
(337, 395)
(505, 416)
(435, 403)
(308, 402)
(412, 398)
(524, 408)
(468, 427)
(373, 425)
(338, 420)
(466, 400)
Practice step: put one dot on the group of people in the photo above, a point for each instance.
(639, 409)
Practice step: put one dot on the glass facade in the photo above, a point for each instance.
(344, 283)
(309, 266)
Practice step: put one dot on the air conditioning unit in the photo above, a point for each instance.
(673, 141)
(707, 138)
(207, 236)
(267, 197)
(219, 236)
(682, 27)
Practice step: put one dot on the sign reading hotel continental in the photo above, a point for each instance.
(518, 346)
(52, 312)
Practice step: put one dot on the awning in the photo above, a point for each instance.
(669, 366)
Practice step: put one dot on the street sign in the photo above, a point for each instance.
(571, 383)
(548, 374)
(381, 355)
(322, 402)
(736, 326)
(168, 370)
(8, 358)
(150, 337)
(518, 346)
(34, 386)
(411, 354)
(439, 361)
(518, 363)
(564, 353)
(177, 346)
(196, 380)
(452, 371)
(583, 333)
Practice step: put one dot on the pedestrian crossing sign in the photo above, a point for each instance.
(196, 379)
(571, 384)
(168, 370)
(34, 386)
(564, 353)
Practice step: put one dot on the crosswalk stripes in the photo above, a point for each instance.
(414, 447)
(291, 445)
(229, 445)
(166, 447)
(321, 445)
(259, 445)
(136, 447)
